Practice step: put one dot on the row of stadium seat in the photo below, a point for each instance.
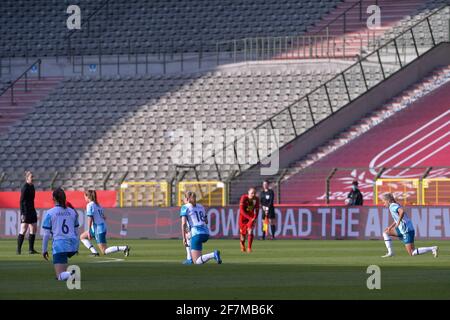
(41, 34)
(439, 24)
(155, 24)
(80, 130)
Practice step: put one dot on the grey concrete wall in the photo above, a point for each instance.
(110, 65)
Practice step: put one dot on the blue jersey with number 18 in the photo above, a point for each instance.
(95, 211)
(63, 224)
(196, 217)
(406, 223)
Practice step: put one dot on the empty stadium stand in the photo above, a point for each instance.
(38, 28)
(95, 131)
(439, 25)
(89, 126)
(344, 32)
(25, 97)
(411, 130)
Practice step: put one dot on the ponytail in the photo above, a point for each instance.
(91, 195)
(59, 196)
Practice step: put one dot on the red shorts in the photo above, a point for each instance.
(244, 225)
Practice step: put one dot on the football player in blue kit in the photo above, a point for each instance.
(97, 227)
(187, 232)
(61, 223)
(195, 217)
(402, 228)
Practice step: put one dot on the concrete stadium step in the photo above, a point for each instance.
(392, 13)
(354, 39)
(24, 101)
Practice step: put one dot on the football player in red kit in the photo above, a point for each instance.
(248, 213)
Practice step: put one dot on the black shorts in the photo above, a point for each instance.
(270, 214)
(28, 218)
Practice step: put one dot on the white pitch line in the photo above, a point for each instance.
(110, 260)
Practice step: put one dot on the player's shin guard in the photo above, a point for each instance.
(31, 239)
(20, 242)
(205, 258)
(88, 245)
(63, 276)
(388, 243)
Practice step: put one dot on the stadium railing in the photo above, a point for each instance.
(35, 65)
(385, 60)
(294, 47)
(418, 190)
(210, 193)
(85, 23)
(420, 186)
(318, 44)
(432, 191)
(408, 187)
(436, 191)
(357, 6)
(158, 193)
(144, 194)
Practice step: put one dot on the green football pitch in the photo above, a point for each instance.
(280, 269)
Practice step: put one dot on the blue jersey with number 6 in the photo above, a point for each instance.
(63, 224)
(196, 217)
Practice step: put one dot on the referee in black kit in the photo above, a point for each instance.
(28, 215)
(267, 198)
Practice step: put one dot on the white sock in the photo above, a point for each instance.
(88, 245)
(205, 258)
(188, 250)
(115, 249)
(63, 276)
(188, 253)
(422, 250)
(388, 243)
